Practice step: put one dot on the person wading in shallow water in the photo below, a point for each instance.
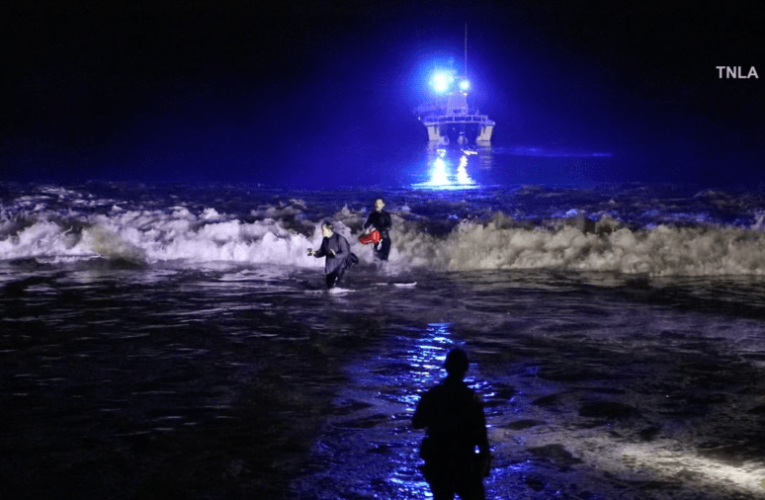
(337, 251)
(453, 416)
(380, 220)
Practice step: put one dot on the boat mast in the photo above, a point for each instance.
(466, 74)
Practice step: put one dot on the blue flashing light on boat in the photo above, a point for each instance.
(442, 82)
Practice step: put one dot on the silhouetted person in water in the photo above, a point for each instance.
(335, 247)
(453, 416)
(380, 220)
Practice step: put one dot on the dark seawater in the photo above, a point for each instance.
(176, 342)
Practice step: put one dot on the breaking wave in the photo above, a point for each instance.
(78, 229)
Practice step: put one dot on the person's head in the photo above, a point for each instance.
(379, 204)
(457, 363)
(327, 229)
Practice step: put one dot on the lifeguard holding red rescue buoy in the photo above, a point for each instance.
(379, 222)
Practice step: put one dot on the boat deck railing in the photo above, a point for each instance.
(457, 118)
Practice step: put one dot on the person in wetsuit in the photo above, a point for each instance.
(380, 220)
(453, 415)
(336, 249)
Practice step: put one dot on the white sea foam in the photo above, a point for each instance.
(759, 220)
(470, 239)
(151, 236)
(660, 251)
(180, 235)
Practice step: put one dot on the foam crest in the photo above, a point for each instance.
(41, 239)
(660, 251)
(106, 243)
(146, 236)
(212, 237)
(442, 235)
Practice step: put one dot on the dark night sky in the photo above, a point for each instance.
(260, 91)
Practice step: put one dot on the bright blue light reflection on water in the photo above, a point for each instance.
(451, 170)
(426, 359)
(367, 447)
(427, 356)
(463, 178)
(439, 176)
(443, 176)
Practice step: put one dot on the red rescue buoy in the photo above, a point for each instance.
(372, 237)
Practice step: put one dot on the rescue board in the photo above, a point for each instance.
(405, 285)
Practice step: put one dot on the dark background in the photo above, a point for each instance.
(269, 92)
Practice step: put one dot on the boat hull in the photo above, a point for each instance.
(450, 131)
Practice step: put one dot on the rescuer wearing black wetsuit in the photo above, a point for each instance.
(453, 416)
(380, 220)
(336, 249)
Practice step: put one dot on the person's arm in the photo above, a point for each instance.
(368, 224)
(322, 251)
(385, 222)
(420, 418)
(481, 437)
(484, 452)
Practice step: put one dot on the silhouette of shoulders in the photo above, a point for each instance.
(450, 408)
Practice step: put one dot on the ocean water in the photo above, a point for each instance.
(171, 341)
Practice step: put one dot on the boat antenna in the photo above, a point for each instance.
(466, 50)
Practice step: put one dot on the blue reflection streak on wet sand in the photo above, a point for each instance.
(426, 358)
